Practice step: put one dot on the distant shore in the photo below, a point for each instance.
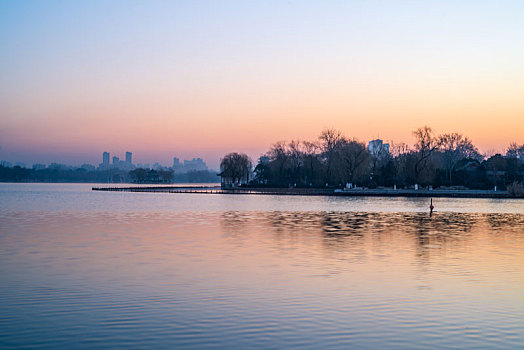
(316, 192)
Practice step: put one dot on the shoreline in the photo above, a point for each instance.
(316, 192)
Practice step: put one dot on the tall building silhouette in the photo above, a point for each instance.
(376, 147)
(129, 157)
(195, 164)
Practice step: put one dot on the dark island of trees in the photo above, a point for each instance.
(447, 161)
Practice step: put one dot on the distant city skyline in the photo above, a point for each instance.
(108, 160)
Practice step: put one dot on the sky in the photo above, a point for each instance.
(204, 78)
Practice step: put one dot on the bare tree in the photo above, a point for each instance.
(425, 145)
(296, 157)
(515, 151)
(455, 147)
(329, 141)
(399, 154)
(398, 149)
(279, 156)
(311, 161)
(354, 159)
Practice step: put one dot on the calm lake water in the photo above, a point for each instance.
(83, 269)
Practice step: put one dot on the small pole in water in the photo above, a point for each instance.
(431, 207)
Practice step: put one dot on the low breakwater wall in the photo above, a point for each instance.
(314, 192)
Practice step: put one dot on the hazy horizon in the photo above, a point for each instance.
(77, 159)
(201, 78)
(165, 159)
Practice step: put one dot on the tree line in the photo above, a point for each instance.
(139, 175)
(334, 160)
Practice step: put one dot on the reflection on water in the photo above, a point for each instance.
(442, 227)
(97, 277)
(337, 227)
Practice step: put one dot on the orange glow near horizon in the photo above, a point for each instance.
(163, 126)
